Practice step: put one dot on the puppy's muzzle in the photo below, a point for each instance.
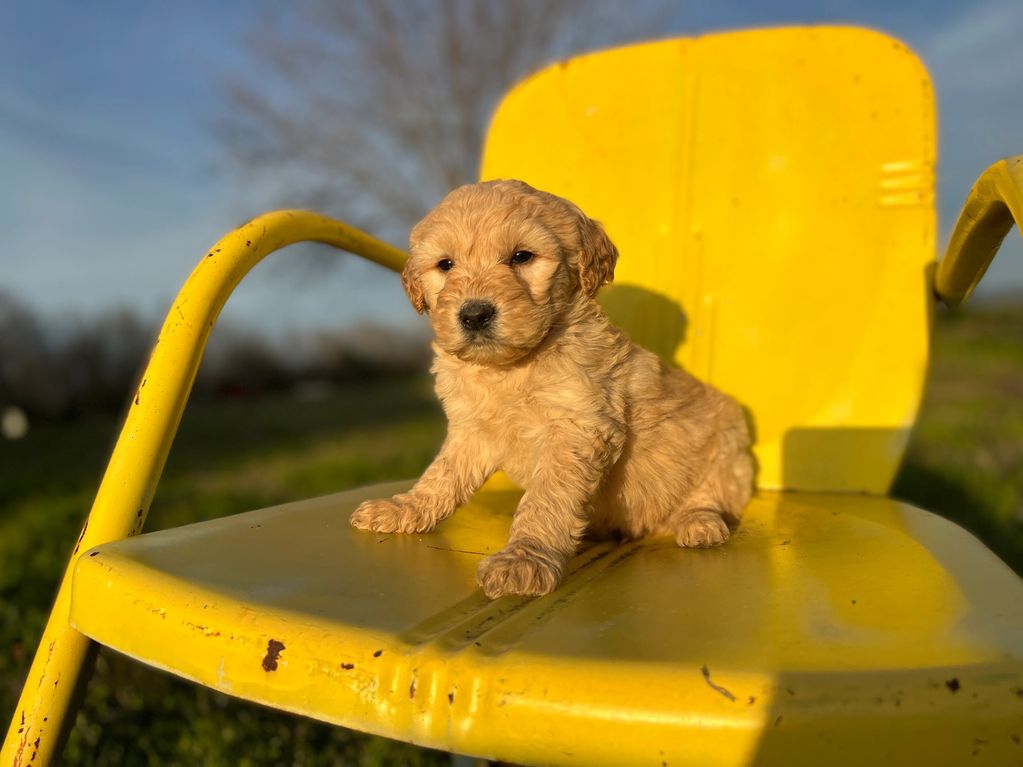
(476, 316)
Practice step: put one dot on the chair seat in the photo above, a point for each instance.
(832, 629)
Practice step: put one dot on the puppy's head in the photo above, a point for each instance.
(497, 263)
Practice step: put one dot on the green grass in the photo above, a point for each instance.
(965, 461)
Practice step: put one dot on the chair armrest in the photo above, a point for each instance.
(993, 205)
(152, 419)
(129, 482)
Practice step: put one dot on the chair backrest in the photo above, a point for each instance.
(771, 195)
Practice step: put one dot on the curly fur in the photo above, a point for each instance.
(605, 438)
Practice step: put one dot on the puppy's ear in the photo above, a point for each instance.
(410, 281)
(597, 256)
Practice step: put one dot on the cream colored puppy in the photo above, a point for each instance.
(536, 381)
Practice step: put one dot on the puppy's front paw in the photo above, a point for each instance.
(701, 529)
(392, 515)
(518, 570)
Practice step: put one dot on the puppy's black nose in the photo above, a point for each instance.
(476, 315)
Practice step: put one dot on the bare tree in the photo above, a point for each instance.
(376, 108)
(28, 376)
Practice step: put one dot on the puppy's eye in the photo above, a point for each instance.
(445, 264)
(521, 257)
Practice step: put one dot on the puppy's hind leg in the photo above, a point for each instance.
(716, 504)
(704, 520)
(708, 511)
(699, 527)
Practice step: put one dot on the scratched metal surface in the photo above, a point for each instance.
(825, 617)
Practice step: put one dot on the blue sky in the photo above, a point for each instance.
(109, 182)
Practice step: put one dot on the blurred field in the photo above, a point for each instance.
(965, 461)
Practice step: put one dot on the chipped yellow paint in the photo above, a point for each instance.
(37, 728)
(994, 204)
(827, 617)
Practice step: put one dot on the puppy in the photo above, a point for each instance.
(536, 381)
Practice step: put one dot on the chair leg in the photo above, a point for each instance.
(52, 692)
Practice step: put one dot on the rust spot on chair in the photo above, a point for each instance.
(953, 684)
(81, 536)
(347, 666)
(273, 653)
(716, 687)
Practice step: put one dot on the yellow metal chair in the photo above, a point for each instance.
(771, 193)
